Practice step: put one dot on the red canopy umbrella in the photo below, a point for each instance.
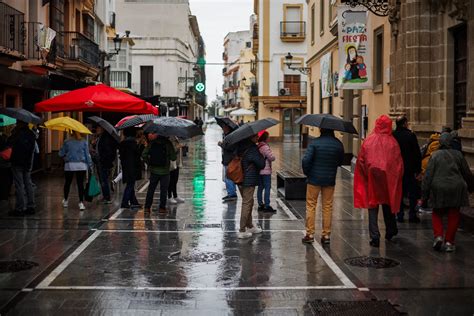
(99, 98)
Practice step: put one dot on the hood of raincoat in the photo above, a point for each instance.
(379, 169)
(383, 125)
(434, 137)
(445, 140)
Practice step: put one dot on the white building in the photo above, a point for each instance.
(166, 49)
(280, 29)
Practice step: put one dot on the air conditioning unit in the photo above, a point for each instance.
(284, 91)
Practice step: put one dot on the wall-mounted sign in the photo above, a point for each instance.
(200, 87)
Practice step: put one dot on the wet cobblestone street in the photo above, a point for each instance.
(110, 261)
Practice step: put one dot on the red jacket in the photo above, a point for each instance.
(379, 169)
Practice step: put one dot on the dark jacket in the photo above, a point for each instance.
(252, 163)
(23, 148)
(227, 153)
(107, 150)
(322, 158)
(170, 152)
(410, 150)
(131, 161)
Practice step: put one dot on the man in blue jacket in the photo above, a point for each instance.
(323, 156)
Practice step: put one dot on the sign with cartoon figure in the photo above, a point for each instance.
(355, 53)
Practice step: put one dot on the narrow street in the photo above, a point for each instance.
(112, 261)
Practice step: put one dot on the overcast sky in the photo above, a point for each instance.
(217, 18)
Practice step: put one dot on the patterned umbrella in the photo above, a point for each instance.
(173, 126)
(21, 115)
(135, 120)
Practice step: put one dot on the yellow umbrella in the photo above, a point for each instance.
(66, 124)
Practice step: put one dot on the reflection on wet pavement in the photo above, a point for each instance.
(114, 261)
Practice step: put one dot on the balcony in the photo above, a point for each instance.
(11, 39)
(293, 31)
(121, 79)
(81, 55)
(292, 89)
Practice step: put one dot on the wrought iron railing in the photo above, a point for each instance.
(293, 29)
(11, 23)
(120, 79)
(295, 89)
(78, 47)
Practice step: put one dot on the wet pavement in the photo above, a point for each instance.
(109, 261)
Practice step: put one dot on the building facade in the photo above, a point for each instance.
(166, 51)
(280, 28)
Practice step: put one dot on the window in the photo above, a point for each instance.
(320, 98)
(311, 110)
(330, 8)
(313, 23)
(248, 44)
(293, 28)
(321, 17)
(146, 81)
(378, 59)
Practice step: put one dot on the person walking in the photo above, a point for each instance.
(411, 154)
(174, 172)
(22, 142)
(265, 179)
(320, 163)
(227, 155)
(446, 188)
(378, 179)
(158, 155)
(5, 168)
(252, 162)
(77, 160)
(130, 158)
(107, 153)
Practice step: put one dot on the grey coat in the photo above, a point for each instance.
(444, 184)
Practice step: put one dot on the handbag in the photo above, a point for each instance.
(92, 188)
(6, 154)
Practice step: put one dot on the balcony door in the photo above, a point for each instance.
(293, 83)
(293, 17)
(146, 81)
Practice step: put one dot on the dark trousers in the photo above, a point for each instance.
(5, 183)
(173, 187)
(25, 195)
(265, 184)
(389, 219)
(80, 176)
(104, 175)
(129, 197)
(410, 190)
(164, 181)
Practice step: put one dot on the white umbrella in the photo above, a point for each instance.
(243, 112)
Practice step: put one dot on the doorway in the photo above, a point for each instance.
(291, 131)
(460, 74)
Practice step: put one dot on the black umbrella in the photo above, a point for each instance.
(249, 129)
(327, 121)
(137, 120)
(109, 128)
(173, 126)
(21, 115)
(226, 121)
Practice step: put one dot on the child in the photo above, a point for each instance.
(265, 174)
(362, 67)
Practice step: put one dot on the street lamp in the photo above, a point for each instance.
(289, 64)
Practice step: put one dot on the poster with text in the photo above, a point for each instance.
(326, 76)
(355, 53)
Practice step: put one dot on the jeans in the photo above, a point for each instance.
(229, 184)
(164, 181)
(173, 187)
(25, 196)
(247, 207)
(327, 196)
(80, 176)
(389, 219)
(129, 197)
(104, 174)
(265, 183)
(453, 223)
(410, 190)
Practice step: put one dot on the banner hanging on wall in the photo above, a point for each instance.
(355, 51)
(326, 76)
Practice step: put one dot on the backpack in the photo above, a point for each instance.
(158, 155)
(235, 172)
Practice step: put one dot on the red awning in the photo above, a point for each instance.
(99, 98)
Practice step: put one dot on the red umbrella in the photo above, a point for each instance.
(99, 98)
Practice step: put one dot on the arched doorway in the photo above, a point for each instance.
(291, 131)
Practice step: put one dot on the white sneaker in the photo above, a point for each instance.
(255, 230)
(244, 235)
(172, 201)
(65, 203)
(81, 206)
(450, 247)
(179, 200)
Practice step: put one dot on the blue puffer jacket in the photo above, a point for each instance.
(322, 158)
(252, 163)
